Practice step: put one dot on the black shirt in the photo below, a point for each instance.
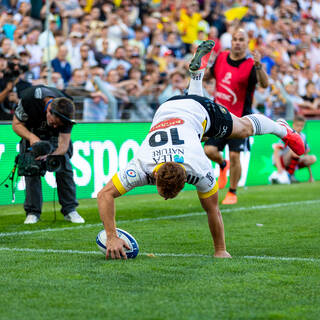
(32, 111)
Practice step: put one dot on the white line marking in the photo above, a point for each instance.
(185, 215)
(175, 255)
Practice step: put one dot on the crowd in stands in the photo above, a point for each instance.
(119, 59)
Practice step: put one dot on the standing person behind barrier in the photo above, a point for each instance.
(45, 113)
(236, 76)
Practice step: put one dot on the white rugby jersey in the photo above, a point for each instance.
(175, 135)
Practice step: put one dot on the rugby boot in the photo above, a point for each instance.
(202, 56)
(292, 139)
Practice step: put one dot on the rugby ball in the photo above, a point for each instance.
(101, 241)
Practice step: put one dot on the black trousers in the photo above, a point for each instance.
(65, 186)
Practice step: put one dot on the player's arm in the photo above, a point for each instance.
(210, 205)
(106, 208)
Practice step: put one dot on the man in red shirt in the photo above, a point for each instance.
(236, 76)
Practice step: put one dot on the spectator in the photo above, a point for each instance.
(43, 37)
(61, 65)
(191, 20)
(101, 37)
(141, 98)
(116, 30)
(6, 48)
(8, 24)
(175, 45)
(213, 35)
(95, 108)
(86, 58)
(73, 44)
(19, 40)
(57, 80)
(138, 41)
(51, 53)
(177, 84)
(35, 51)
(103, 57)
(119, 57)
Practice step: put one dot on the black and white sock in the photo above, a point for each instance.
(263, 125)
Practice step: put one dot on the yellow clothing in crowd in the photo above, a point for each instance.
(188, 26)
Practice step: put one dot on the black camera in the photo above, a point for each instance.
(14, 70)
(29, 166)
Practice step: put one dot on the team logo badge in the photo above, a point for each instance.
(223, 110)
(178, 159)
(131, 173)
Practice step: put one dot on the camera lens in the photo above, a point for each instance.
(53, 163)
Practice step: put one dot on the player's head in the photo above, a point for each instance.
(170, 179)
(298, 123)
(60, 111)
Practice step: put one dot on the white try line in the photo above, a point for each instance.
(180, 216)
(155, 255)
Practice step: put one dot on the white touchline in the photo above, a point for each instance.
(175, 255)
(185, 215)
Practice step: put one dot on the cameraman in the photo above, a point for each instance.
(45, 113)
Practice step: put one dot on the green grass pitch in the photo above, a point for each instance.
(53, 270)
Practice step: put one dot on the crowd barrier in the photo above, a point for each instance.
(100, 149)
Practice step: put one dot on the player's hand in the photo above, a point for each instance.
(222, 254)
(115, 248)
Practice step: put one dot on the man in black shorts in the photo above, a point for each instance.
(237, 75)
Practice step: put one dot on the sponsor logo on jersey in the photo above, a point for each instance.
(166, 124)
(131, 173)
(227, 78)
(232, 98)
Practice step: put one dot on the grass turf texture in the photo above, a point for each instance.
(61, 285)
